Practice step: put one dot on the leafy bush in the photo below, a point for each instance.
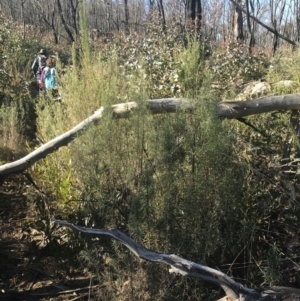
(232, 63)
(17, 117)
(177, 183)
(170, 180)
(159, 57)
(283, 73)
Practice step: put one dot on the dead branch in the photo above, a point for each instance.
(233, 290)
(48, 148)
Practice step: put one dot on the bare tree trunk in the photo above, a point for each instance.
(162, 13)
(194, 15)
(198, 18)
(126, 17)
(55, 33)
(69, 32)
(276, 20)
(250, 29)
(23, 18)
(297, 12)
(151, 5)
(108, 16)
(238, 23)
(75, 15)
(264, 25)
(48, 14)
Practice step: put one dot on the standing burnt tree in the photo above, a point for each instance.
(277, 12)
(238, 23)
(194, 15)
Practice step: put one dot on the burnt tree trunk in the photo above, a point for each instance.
(62, 17)
(126, 17)
(238, 23)
(194, 15)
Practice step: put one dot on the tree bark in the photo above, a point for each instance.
(234, 291)
(162, 13)
(227, 109)
(126, 17)
(69, 32)
(238, 23)
(250, 29)
(194, 15)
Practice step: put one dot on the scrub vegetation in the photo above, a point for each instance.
(213, 191)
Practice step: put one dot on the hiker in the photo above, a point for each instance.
(49, 74)
(37, 67)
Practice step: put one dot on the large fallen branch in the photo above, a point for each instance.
(49, 147)
(228, 109)
(179, 265)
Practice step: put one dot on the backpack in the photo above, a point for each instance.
(49, 77)
(38, 64)
(42, 80)
(35, 66)
(43, 61)
(42, 77)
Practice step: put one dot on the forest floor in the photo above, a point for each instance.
(27, 271)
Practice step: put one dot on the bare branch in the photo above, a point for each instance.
(234, 291)
(264, 25)
(49, 147)
(178, 265)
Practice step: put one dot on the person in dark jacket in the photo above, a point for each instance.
(37, 67)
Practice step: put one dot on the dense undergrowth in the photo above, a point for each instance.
(212, 191)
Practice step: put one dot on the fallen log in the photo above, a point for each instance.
(226, 109)
(49, 147)
(234, 291)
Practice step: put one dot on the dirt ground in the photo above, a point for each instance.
(28, 270)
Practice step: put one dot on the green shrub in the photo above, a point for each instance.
(171, 181)
(232, 63)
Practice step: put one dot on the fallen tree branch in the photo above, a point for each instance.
(13, 294)
(179, 265)
(238, 109)
(65, 292)
(48, 148)
(227, 109)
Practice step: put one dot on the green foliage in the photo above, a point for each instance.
(170, 180)
(177, 183)
(211, 191)
(284, 74)
(272, 274)
(233, 63)
(160, 58)
(17, 117)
